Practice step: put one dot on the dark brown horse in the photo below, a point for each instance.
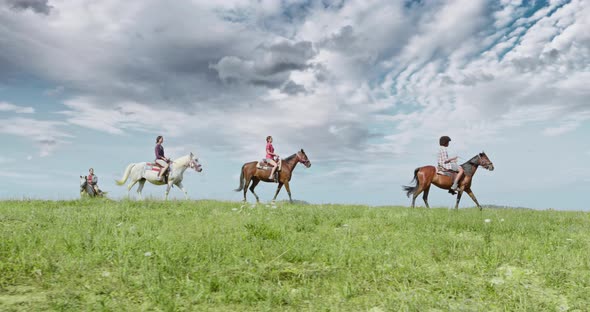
(250, 173)
(424, 176)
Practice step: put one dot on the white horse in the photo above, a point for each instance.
(139, 172)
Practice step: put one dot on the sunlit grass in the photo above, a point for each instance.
(211, 255)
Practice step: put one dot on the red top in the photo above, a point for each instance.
(90, 178)
(269, 148)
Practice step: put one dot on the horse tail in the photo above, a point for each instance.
(125, 175)
(409, 189)
(241, 180)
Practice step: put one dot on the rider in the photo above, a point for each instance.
(160, 158)
(271, 157)
(446, 163)
(93, 181)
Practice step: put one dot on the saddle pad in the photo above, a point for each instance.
(152, 167)
(446, 173)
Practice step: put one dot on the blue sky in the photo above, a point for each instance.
(365, 87)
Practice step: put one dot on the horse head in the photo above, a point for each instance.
(485, 162)
(302, 158)
(83, 182)
(194, 163)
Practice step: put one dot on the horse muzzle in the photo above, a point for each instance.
(490, 167)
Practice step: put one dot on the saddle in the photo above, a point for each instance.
(154, 166)
(264, 165)
(449, 173)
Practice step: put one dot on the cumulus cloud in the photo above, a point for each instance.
(345, 79)
(271, 65)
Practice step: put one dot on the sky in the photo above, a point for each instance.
(365, 87)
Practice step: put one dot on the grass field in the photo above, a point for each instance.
(208, 255)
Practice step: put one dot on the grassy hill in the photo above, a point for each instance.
(224, 256)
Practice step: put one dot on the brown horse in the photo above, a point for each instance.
(424, 176)
(250, 173)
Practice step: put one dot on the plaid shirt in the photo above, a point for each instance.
(443, 156)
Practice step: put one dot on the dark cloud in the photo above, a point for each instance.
(270, 66)
(37, 6)
(344, 39)
(292, 88)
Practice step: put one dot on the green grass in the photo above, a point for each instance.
(207, 255)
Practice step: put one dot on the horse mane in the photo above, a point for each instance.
(290, 157)
(187, 156)
(469, 165)
(470, 161)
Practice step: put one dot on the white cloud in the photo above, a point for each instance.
(47, 135)
(9, 107)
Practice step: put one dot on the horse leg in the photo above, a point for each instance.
(417, 192)
(288, 191)
(423, 182)
(246, 184)
(140, 188)
(460, 192)
(181, 187)
(129, 186)
(278, 190)
(425, 196)
(470, 193)
(168, 186)
(254, 183)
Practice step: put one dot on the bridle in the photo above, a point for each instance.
(194, 165)
(486, 163)
(305, 162)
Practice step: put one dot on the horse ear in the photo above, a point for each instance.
(192, 155)
(80, 177)
(302, 151)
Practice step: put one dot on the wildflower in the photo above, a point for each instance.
(487, 220)
(148, 254)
